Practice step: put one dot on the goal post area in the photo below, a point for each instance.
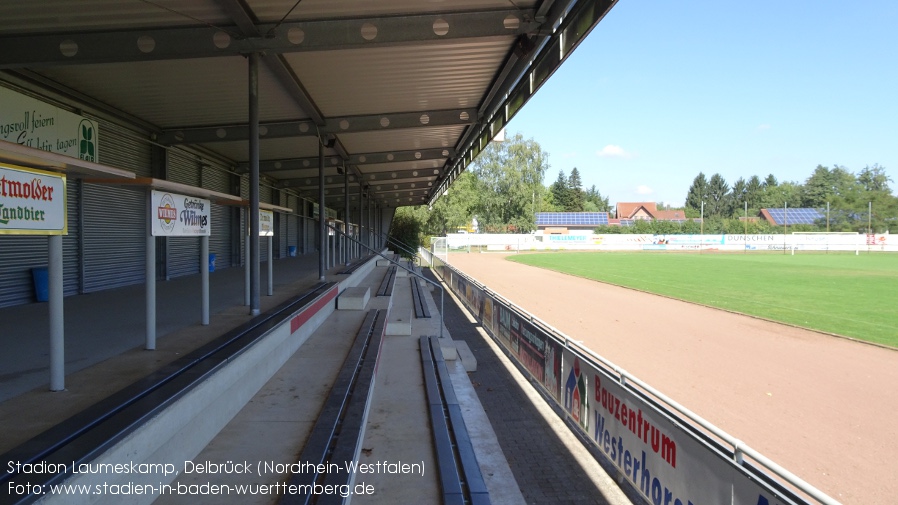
(849, 241)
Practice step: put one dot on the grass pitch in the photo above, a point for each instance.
(855, 296)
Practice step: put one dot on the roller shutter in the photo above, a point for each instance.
(183, 252)
(114, 237)
(220, 241)
(114, 234)
(265, 195)
(71, 245)
(19, 254)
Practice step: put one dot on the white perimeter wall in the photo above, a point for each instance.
(646, 242)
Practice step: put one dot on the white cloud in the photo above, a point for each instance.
(644, 190)
(613, 151)
(763, 127)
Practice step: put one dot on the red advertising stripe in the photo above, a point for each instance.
(307, 313)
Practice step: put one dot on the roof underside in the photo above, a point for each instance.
(406, 91)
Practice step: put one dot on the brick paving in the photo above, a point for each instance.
(542, 465)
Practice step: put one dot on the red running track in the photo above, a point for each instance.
(823, 407)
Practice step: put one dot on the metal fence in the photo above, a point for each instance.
(660, 449)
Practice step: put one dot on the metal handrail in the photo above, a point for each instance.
(739, 448)
(401, 245)
(442, 294)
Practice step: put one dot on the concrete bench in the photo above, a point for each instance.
(354, 298)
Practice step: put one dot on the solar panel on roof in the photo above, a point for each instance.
(571, 218)
(798, 215)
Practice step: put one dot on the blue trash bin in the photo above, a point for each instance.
(291, 251)
(41, 278)
(211, 263)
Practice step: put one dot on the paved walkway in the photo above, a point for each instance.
(104, 344)
(536, 443)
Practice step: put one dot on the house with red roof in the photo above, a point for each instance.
(647, 210)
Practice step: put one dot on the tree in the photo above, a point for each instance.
(753, 191)
(874, 178)
(406, 229)
(697, 192)
(786, 192)
(770, 182)
(594, 198)
(719, 201)
(740, 194)
(575, 191)
(455, 208)
(509, 183)
(828, 185)
(561, 194)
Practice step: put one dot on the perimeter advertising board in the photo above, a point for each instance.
(32, 202)
(30, 122)
(657, 455)
(660, 456)
(536, 351)
(175, 215)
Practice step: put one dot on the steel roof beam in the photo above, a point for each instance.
(66, 48)
(333, 126)
(520, 85)
(374, 189)
(370, 178)
(355, 159)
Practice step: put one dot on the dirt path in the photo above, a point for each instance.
(823, 407)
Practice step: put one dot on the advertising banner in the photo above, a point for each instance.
(176, 215)
(30, 122)
(32, 202)
(532, 347)
(654, 450)
(662, 461)
(266, 223)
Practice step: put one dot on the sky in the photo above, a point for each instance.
(662, 90)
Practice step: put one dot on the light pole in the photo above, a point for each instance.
(745, 220)
(701, 235)
(785, 224)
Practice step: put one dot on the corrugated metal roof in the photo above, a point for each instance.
(269, 11)
(175, 93)
(62, 16)
(368, 77)
(405, 79)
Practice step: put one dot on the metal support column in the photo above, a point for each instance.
(322, 223)
(246, 276)
(57, 326)
(150, 280)
(204, 276)
(255, 268)
(346, 221)
(270, 265)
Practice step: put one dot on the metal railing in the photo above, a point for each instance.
(738, 448)
(391, 260)
(406, 248)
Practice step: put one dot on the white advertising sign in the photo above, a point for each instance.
(176, 215)
(266, 223)
(33, 123)
(662, 462)
(32, 202)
